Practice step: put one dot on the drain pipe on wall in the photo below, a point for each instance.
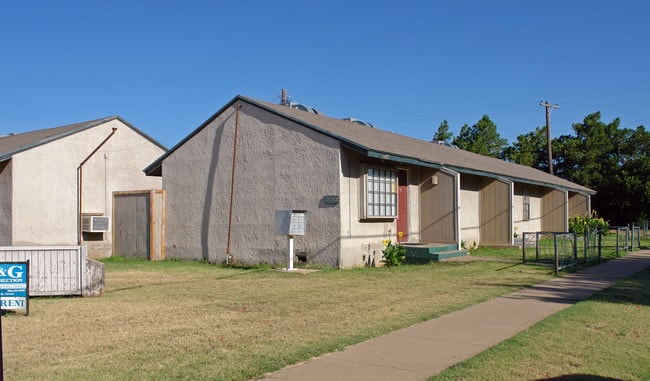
(231, 259)
(80, 184)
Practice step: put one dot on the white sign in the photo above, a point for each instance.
(14, 286)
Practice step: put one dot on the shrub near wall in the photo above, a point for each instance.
(589, 222)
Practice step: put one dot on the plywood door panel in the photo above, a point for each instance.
(438, 208)
(495, 204)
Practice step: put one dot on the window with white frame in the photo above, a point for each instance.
(381, 193)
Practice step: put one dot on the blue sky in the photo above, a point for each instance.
(166, 66)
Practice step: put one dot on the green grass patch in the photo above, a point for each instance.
(190, 320)
(606, 336)
(505, 254)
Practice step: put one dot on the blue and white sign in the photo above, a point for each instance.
(14, 286)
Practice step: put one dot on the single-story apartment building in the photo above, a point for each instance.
(357, 184)
(57, 184)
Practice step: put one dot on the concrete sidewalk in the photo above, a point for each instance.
(426, 349)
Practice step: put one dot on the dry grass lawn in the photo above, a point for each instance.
(187, 320)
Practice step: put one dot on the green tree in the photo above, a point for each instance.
(594, 152)
(611, 160)
(481, 138)
(635, 173)
(443, 134)
(530, 149)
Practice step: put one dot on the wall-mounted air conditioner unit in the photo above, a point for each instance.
(95, 224)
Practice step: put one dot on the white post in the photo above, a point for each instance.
(290, 262)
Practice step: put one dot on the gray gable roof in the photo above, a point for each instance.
(386, 145)
(16, 143)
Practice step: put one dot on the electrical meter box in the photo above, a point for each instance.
(290, 222)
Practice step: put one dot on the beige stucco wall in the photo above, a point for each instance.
(469, 217)
(280, 165)
(469, 213)
(45, 183)
(534, 223)
(361, 242)
(414, 205)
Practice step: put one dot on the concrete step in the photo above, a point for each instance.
(425, 253)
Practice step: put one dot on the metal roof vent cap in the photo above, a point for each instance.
(361, 122)
(446, 144)
(302, 107)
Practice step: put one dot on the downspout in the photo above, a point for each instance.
(566, 210)
(511, 217)
(457, 209)
(232, 186)
(80, 184)
(511, 209)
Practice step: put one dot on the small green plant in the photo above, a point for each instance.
(394, 254)
(471, 249)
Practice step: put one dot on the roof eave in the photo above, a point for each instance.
(469, 171)
(9, 154)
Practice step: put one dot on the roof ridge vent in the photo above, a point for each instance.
(358, 121)
(444, 143)
(299, 106)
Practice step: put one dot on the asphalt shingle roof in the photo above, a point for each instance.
(15, 143)
(384, 144)
(395, 146)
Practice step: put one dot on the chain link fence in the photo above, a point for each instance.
(563, 249)
(556, 249)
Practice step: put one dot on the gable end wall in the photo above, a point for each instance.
(280, 165)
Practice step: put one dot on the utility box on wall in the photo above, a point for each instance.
(290, 222)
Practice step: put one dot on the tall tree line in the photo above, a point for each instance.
(612, 160)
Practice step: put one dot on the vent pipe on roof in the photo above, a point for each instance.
(283, 100)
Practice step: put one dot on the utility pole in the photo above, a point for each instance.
(549, 106)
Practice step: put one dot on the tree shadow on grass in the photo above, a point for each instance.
(579, 377)
(633, 290)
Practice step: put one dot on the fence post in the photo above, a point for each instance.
(523, 247)
(575, 250)
(557, 262)
(600, 241)
(537, 246)
(587, 238)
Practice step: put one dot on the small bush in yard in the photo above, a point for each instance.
(393, 254)
(589, 222)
